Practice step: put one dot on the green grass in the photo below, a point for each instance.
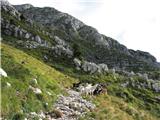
(18, 98)
(113, 108)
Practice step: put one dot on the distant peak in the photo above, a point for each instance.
(23, 6)
(5, 3)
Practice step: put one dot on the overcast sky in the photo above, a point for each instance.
(134, 23)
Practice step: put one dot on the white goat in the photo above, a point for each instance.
(81, 89)
(88, 90)
(93, 88)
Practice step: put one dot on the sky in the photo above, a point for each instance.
(134, 23)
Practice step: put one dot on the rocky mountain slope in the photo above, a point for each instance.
(49, 57)
(96, 48)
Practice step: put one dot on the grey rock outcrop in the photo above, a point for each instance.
(38, 39)
(23, 7)
(42, 17)
(92, 35)
(59, 41)
(103, 67)
(27, 36)
(90, 67)
(156, 86)
(60, 50)
(145, 84)
(33, 41)
(7, 7)
(77, 63)
(126, 73)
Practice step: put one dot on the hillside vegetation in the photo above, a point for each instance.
(44, 60)
(18, 99)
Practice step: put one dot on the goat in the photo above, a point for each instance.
(89, 89)
(100, 89)
(92, 89)
(81, 89)
(104, 91)
(75, 85)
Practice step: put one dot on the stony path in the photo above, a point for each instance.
(72, 106)
(69, 107)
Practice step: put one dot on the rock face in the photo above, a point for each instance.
(5, 5)
(91, 34)
(97, 48)
(33, 40)
(67, 22)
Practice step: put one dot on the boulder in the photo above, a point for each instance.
(59, 41)
(27, 36)
(3, 73)
(77, 63)
(89, 67)
(103, 68)
(16, 30)
(60, 50)
(38, 39)
(156, 86)
(49, 93)
(33, 81)
(8, 84)
(35, 90)
(45, 57)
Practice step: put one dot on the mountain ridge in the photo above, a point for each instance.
(88, 35)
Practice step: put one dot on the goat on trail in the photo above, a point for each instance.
(88, 89)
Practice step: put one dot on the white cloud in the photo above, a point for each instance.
(135, 23)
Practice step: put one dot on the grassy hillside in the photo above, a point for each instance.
(113, 108)
(120, 103)
(18, 98)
